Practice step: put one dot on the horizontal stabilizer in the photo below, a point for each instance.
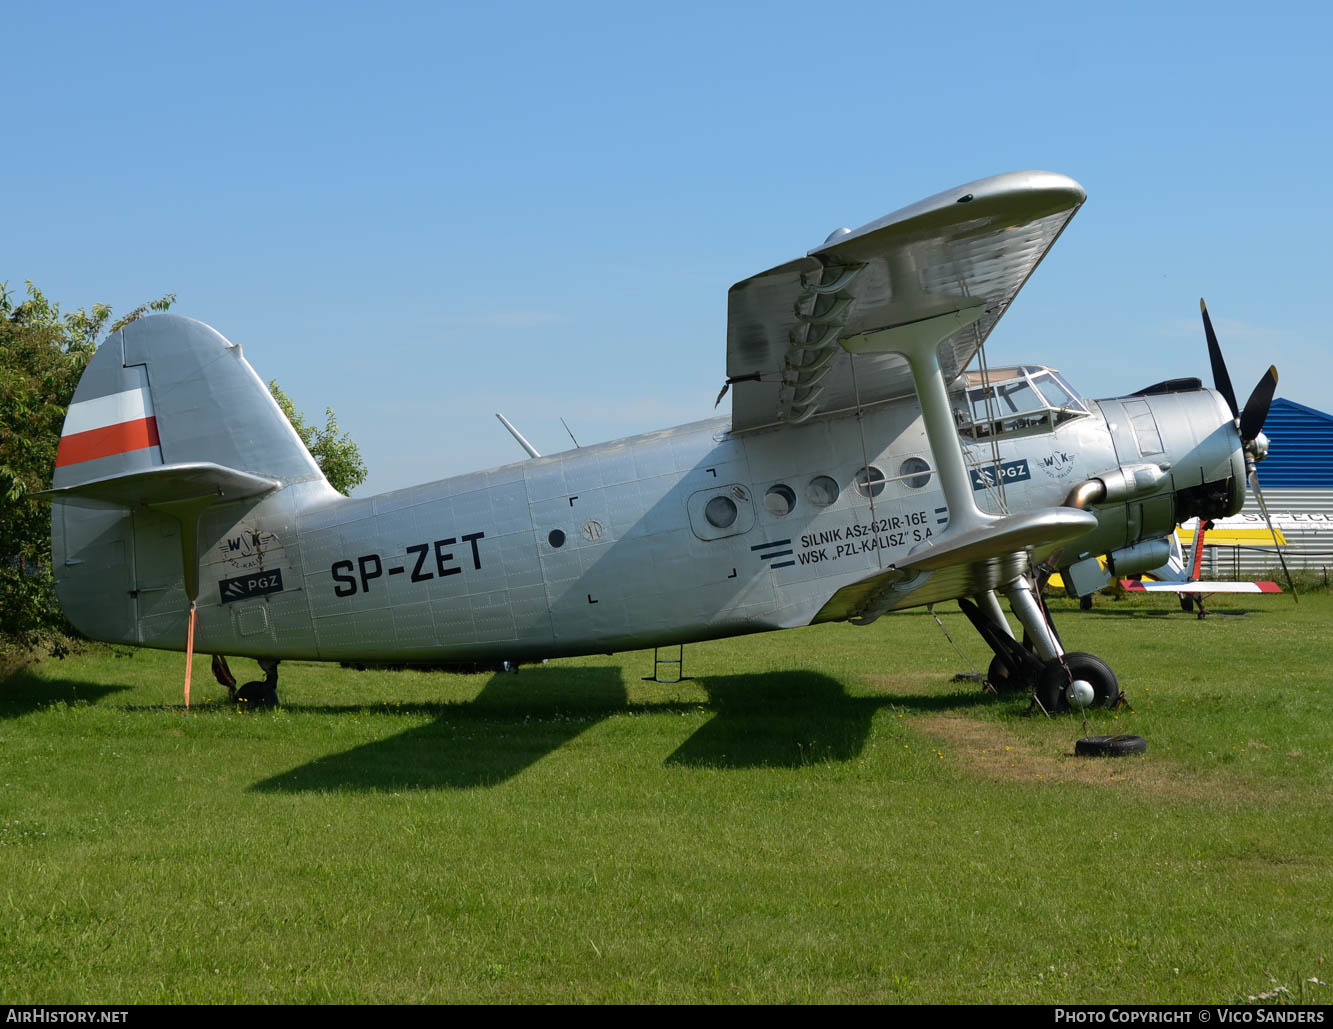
(1135, 586)
(168, 483)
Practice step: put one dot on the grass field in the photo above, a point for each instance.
(821, 815)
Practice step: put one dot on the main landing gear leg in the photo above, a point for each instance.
(1079, 678)
(1015, 666)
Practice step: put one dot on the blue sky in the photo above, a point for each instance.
(420, 214)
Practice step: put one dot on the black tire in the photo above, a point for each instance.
(1110, 746)
(1057, 674)
(257, 694)
(1004, 681)
(1186, 603)
(1085, 602)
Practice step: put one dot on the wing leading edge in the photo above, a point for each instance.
(963, 253)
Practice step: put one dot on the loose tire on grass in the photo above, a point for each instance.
(1078, 665)
(1110, 746)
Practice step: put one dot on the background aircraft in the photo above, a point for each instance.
(1181, 575)
(863, 469)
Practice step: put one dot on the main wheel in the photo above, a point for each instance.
(1057, 674)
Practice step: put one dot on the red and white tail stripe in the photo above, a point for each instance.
(118, 423)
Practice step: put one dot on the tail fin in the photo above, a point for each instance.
(170, 391)
(168, 421)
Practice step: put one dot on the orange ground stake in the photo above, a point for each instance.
(189, 656)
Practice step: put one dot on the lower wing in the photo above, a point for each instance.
(961, 564)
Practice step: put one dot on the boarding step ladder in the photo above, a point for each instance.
(659, 662)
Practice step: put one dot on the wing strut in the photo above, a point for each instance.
(919, 342)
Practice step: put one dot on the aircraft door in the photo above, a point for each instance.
(159, 580)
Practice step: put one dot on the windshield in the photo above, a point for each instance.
(1026, 400)
(1057, 394)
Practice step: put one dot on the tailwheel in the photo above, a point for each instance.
(1077, 676)
(262, 692)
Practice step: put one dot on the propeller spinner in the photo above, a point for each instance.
(1249, 422)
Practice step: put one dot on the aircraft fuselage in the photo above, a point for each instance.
(685, 534)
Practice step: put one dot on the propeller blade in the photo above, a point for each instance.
(1221, 379)
(1259, 496)
(1256, 408)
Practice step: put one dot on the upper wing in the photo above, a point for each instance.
(959, 251)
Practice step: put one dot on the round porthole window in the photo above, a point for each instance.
(556, 538)
(870, 482)
(822, 491)
(720, 512)
(779, 500)
(915, 472)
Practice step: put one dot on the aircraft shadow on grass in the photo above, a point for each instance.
(773, 720)
(790, 719)
(511, 724)
(22, 693)
(1173, 612)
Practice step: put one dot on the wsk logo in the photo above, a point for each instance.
(768, 551)
(247, 543)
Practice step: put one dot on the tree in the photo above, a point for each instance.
(337, 456)
(42, 354)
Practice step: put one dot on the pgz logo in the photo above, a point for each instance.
(256, 584)
(1009, 471)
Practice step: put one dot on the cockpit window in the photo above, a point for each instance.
(1022, 400)
(1057, 394)
(1005, 399)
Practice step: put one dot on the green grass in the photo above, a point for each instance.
(822, 815)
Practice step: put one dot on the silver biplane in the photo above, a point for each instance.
(865, 467)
